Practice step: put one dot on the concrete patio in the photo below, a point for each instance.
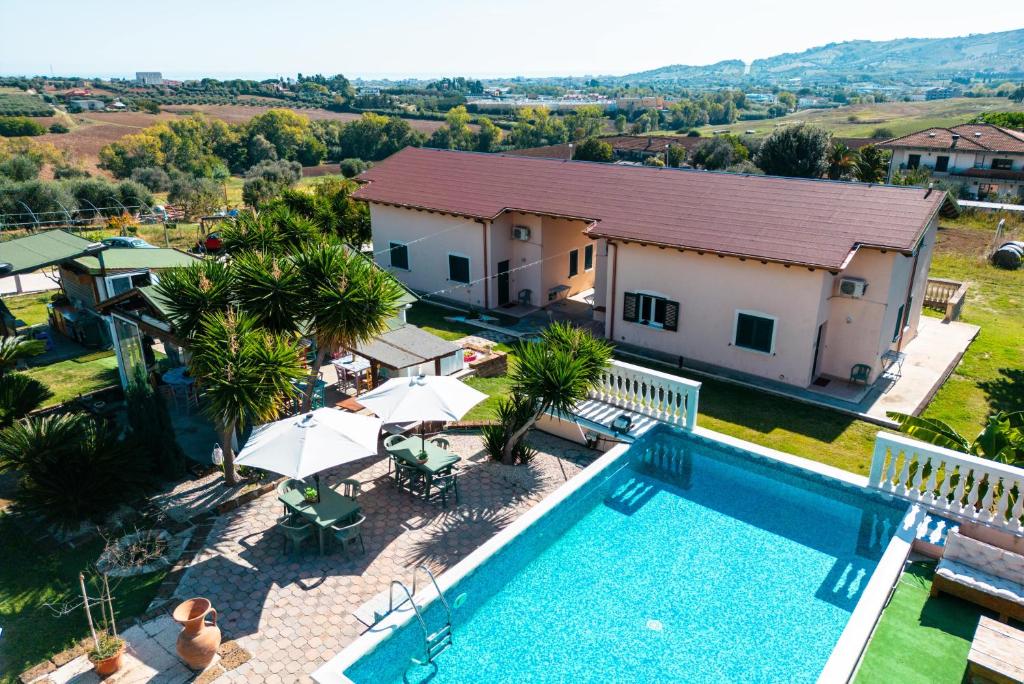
(292, 613)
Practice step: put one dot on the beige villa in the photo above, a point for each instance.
(791, 280)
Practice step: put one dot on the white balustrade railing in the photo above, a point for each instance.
(664, 397)
(949, 481)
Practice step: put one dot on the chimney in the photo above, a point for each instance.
(956, 139)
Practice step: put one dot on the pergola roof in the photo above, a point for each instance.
(32, 252)
(405, 346)
(130, 259)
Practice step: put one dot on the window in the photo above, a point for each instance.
(1002, 164)
(574, 262)
(122, 283)
(652, 310)
(458, 268)
(755, 332)
(899, 323)
(399, 256)
(913, 161)
(941, 164)
(588, 258)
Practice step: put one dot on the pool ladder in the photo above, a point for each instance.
(434, 644)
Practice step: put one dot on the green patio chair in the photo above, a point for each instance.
(389, 443)
(860, 372)
(443, 486)
(350, 488)
(285, 486)
(350, 532)
(295, 531)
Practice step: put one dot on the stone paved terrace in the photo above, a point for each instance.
(292, 613)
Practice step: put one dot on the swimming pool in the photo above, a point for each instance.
(681, 561)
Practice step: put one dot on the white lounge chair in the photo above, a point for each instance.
(983, 574)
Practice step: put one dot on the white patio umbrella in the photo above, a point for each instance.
(423, 397)
(304, 445)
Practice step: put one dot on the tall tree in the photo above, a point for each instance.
(246, 373)
(593, 149)
(842, 161)
(347, 300)
(872, 164)
(799, 151)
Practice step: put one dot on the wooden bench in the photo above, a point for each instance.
(997, 653)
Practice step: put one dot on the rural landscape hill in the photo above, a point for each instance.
(880, 60)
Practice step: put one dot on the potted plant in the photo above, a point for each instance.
(107, 647)
(310, 494)
(106, 655)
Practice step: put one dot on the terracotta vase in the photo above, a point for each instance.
(108, 666)
(198, 641)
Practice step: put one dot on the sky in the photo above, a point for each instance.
(429, 38)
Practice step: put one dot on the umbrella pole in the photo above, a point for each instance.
(316, 478)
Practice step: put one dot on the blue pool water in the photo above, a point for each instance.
(682, 562)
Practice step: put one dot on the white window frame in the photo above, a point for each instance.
(759, 314)
(469, 267)
(593, 257)
(408, 260)
(640, 307)
(108, 281)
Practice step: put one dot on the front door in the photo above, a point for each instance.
(503, 283)
(941, 164)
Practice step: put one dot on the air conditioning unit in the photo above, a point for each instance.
(852, 287)
(521, 233)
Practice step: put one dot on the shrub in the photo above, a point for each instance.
(59, 128)
(352, 167)
(153, 177)
(17, 126)
(20, 394)
(20, 167)
(799, 151)
(66, 172)
(595, 150)
(72, 468)
(511, 413)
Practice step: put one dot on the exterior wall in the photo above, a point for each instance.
(560, 236)
(518, 253)
(960, 161)
(78, 287)
(428, 260)
(707, 310)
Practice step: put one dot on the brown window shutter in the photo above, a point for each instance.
(671, 315)
(630, 307)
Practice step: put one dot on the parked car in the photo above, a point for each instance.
(127, 243)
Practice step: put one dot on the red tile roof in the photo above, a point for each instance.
(801, 221)
(973, 137)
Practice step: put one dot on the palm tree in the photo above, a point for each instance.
(20, 394)
(275, 231)
(1002, 438)
(841, 161)
(192, 292)
(14, 349)
(553, 375)
(872, 164)
(245, 372)
(347, 300)
(269, 288)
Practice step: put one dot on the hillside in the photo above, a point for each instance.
(906, 58)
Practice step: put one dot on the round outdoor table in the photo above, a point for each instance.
(176, 376)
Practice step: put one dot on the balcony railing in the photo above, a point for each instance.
(949, 482)
(651, 393)
(946, 296)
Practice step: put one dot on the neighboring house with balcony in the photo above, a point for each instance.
(790, 280)
(986, 159)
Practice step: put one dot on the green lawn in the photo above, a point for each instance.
(991, 375)
(30, 308)
(920, 640)
(67, 379)
(33, 574)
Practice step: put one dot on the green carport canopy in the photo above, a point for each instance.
(33, 252)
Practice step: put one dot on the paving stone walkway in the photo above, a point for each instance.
(292, 613)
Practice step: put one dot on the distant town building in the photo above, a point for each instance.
(942, 93)
(632, 103)
(368, 90)
(814, 102)
(761, 98)
(149, 78)
(88, 105)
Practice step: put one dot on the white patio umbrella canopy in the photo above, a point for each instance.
(306, 444)
(424, 397)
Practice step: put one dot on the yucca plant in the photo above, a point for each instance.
(347, 300)
(192, 292)
(268, 287)
(511, 413)
(14, 349)
(72, 468)
(245, 372)
(553, 375)
(20, 394)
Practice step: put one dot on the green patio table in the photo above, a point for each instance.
(439, 460)
(330, 510)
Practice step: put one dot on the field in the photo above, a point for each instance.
(91, 131)
(19, 104)
(860, 121)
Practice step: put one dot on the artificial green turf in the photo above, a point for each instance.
(920, 639)
(67, 379)
(34, 574)
(30, 308)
